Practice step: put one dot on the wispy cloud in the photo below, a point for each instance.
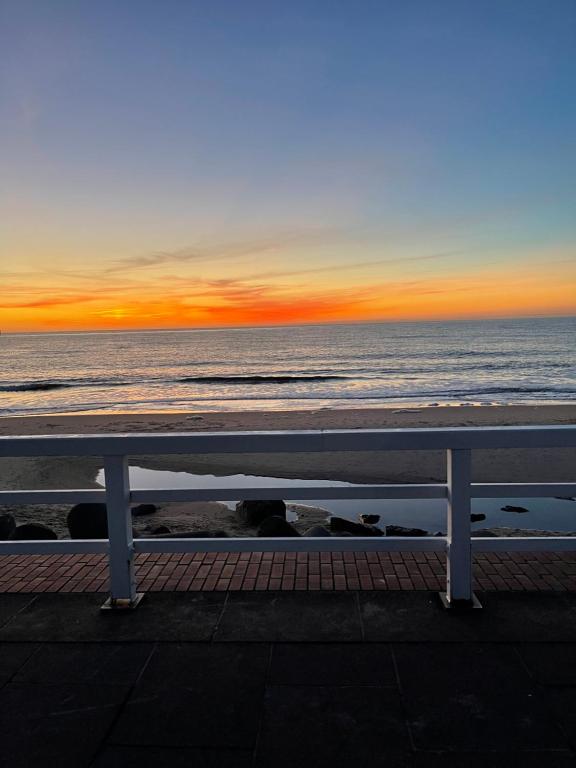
(48, 301)
(350, 266)
(224, 251)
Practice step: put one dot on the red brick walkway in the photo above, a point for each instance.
(287, 571)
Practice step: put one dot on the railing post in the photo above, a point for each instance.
(121, 550)
(459, 552)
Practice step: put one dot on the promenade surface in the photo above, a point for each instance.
(288, 679)
(288, 571)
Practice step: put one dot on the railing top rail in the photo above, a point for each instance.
(289, 441)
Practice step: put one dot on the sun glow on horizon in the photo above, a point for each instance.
(140, 297)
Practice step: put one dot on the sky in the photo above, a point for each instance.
(196, 163)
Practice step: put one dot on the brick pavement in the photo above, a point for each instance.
(290, 571)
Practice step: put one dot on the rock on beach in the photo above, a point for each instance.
(276, 526)
(254, 512)
(400, 530)
(34, 532)
(144, 509)
(88, 521)
(369, 519)
(7, 527)
(340, 524)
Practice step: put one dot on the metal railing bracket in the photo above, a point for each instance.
(121, 605)
(459, 605)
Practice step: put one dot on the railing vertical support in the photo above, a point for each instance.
(459, 549)
(121, 551)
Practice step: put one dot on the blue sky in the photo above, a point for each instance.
(363, 129)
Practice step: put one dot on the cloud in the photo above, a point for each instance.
(49, 301)
(352, 266)
(223, 251)
(235, 282)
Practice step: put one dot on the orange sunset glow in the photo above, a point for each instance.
(136, 296)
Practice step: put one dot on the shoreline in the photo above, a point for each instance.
(517, 465)
(339, 406)
(379, 415)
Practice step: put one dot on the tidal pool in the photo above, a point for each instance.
(430, 514)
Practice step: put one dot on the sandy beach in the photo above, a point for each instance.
(554, 465)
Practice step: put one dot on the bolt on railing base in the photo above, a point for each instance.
(120, 605)
(459, 605)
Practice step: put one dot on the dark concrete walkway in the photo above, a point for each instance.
(287, 680)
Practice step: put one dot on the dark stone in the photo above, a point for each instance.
(369, 519)
(144, 509)
(64, 618)
(318, 531)
(207, 695)
(180, 757)
(336, 726)
(7, 527)
(400, 530)
(160, 529)
(565, 498)
(509, 508)
(339, 524)
(193, 535)
(33, 532)
(311, 617)
(254, 512)
(11, 605)
(408, 616)
(463, 696)
(12, 658)
(276, 526)
(477, 517)
(80, 663)
(61, 725)
(525, 617)
(332, 664)
(551, 663)
(561, 704)
(88, 521)
(478, 759)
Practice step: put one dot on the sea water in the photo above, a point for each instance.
(299, 367)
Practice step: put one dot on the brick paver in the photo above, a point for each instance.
(288, 571)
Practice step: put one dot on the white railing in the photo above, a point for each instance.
(458, 491)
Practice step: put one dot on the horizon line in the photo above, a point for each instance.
(265, 326)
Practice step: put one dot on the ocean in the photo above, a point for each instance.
(520, 361)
